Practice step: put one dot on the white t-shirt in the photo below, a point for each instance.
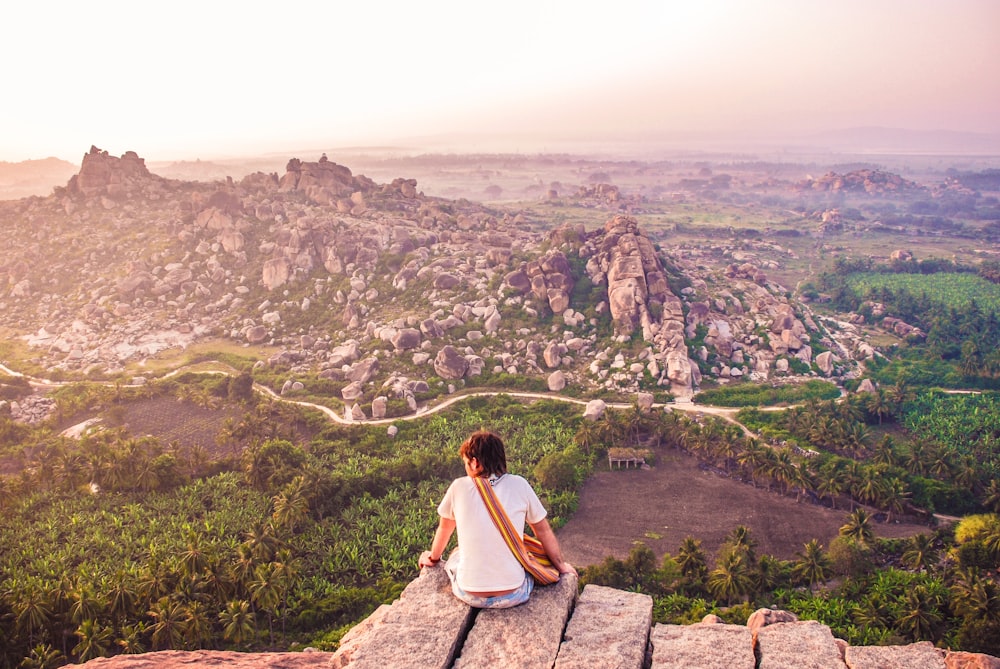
(487, 564)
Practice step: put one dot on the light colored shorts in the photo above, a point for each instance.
(519, 596)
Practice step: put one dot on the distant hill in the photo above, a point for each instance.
(873, 139)
(33, 177)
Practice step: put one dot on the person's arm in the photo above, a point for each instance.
(441, 537)
(543, 532)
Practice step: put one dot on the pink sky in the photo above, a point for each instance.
(225, 77)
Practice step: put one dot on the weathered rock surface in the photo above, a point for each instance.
(399, 635)
(609, 628)
(497, 638)
(915, 656)
(713, 646)
(806, 645)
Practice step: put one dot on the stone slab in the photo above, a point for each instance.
(524, 636)
(707, 646)
(423, 628)
(921, 655)
(609, 628)
(802, 645)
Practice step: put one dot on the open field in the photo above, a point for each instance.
(675, 499)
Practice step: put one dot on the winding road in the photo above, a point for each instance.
(725, 413)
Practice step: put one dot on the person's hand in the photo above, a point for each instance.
(426, 561)
(567, 568)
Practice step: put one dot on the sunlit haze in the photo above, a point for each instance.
(201, 79)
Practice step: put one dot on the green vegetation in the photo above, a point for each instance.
(869, 591)
(958, 311)
(749, 394)
(116, 544)
(956, 290)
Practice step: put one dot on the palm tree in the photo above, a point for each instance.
(121, 596)
(238, 623)
(830, 481)
(752, 458)
(878, 405)
(95, 640)
(265, 589)
(771, 573)
(940, 461)
(885, 452)
(732, 577)
(130, 640)
(893, 497)
(286, 570)
(915, 460)
(740, 539)
(691, 559)
(193, 558)
(898, 395)
(588, 436)
(291, 506)
(262, 542)
(157, 580)
(43, 656)
(856, 437)
(783, 470)
(168, 630)
(921, 616)
(858, 527)
(84, 603)
(920, 552)
(870, 486)
(976, 597)
(813, 564)
(991, 496)
(32, 611)
(197, 626)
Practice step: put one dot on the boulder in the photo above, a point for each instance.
(553, 354)
(449, 364)
(594, 409)
(352, 391)
(406, 339)
(363, 371)
(763, 617)
(256, 334)
(556, 381)
(825, 362)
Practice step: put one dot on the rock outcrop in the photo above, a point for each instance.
(599, 627)
(102, 174)
(320, 257)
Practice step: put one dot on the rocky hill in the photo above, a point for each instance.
(382, 289)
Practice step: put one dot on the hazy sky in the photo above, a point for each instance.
(209, 78)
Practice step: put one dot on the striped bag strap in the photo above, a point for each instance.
(540, 569)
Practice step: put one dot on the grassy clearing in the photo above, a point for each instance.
(199, 352)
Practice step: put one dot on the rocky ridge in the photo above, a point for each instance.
(598, 627)
(379, 287)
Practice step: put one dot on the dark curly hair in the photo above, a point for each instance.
(488, 449)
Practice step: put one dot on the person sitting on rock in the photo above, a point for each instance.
(484, 571)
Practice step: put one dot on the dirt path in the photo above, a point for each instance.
(666, 503)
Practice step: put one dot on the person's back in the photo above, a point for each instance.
(484, 571)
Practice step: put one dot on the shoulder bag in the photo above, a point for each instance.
(527, 549)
